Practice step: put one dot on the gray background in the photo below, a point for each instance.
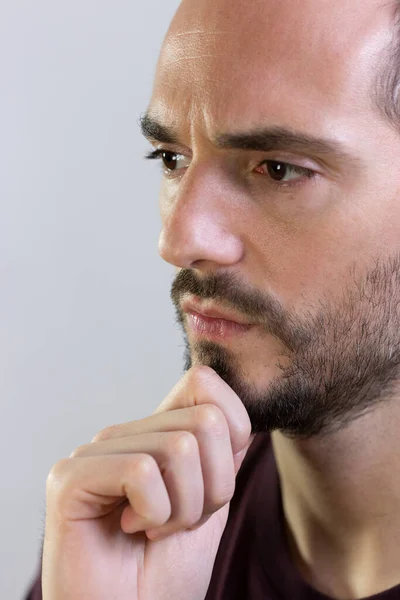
(87, 331)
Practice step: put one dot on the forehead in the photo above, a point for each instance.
(281, 62)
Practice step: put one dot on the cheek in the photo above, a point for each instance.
(301, 263)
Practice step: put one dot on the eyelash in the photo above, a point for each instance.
(157, 155)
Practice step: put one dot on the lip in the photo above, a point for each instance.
(211, 327)
(193, 307)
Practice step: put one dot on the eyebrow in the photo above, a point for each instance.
(258, 140)
(153, 130)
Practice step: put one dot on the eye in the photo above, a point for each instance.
(282, 172)
(171, 160)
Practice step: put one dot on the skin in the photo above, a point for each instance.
(315, 266)
(139, 512)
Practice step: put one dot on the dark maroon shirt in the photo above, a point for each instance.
(253, 560)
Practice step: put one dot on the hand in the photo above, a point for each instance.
(138, 514)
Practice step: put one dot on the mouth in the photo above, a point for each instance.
(212, 322)
(192, 306)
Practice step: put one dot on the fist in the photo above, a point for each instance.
(167, 477)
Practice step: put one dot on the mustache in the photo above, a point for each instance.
(230, 292)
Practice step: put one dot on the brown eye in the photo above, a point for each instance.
(170, 160)
(277, 170)
(173, 163)
(282, 172)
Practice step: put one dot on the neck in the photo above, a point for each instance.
(341, 500)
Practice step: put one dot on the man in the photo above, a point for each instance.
(272, 468)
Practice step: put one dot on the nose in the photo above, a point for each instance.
(200, 220)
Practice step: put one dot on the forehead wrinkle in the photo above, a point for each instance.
(280, 74)
(194, 44)
(199, 32)
(189, 58)
(294, 35)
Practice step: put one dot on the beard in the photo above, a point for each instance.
(343, 359)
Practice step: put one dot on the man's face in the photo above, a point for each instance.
(294, 226)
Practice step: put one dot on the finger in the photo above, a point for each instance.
(174, 420)
(209, 426)
(177, 455)
(91, 487)
(200, 385)
(183, 478)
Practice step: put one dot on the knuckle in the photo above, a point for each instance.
(180, 443)
(199, 374)
(143, 467)
(106, 434)
(244, 430)
(209, 417)
(56, 478)
(80, 451)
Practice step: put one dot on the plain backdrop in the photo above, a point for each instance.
(87, 329)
